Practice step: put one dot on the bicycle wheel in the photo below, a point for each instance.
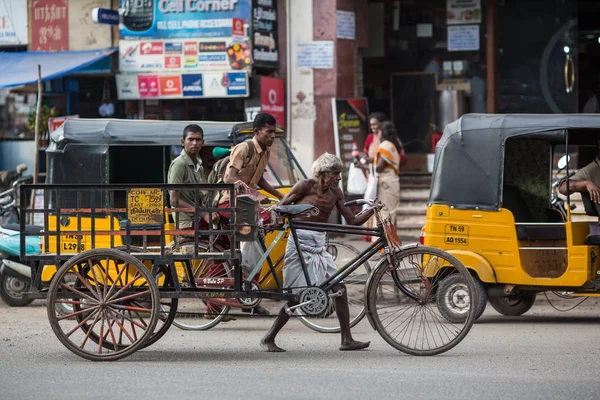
(200, 315)
(342, 253)
(402, 301)
(115, 299)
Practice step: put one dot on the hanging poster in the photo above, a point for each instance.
(350, 126)
(463, 38)
(463, 12)
(264, 33)
(317, 54)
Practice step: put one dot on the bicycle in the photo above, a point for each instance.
(196, 315)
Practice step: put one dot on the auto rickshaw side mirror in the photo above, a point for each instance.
(563, 161)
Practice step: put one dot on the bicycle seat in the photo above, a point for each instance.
(293, 210)
(28, 228)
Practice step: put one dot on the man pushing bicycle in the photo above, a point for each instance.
(324, 193)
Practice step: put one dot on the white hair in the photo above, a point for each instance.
(326, 163)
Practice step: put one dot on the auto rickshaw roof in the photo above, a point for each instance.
(145, 132)
(469, 157)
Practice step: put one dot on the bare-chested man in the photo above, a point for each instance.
(324, 193)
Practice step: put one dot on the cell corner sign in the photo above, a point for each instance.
(167, 19)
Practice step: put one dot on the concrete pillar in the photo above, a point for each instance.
(310, 91)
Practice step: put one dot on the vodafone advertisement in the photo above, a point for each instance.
(272, 98)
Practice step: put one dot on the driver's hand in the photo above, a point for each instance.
(594, 191)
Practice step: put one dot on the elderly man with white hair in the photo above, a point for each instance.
(324, 193)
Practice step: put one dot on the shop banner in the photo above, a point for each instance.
(182, 86)
(49, 25)
(13, 23)
(264, 33)
(272, 98)
(350, 126)
(164, 19)
(463, 12)
(184, 55)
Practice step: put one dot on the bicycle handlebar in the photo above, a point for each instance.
(368, 202)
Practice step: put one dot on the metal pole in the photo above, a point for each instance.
(38, 112)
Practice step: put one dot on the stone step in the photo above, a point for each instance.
(411, 210)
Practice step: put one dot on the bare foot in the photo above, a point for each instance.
(270, 347)
(354, 345)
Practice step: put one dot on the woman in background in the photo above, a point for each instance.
(387, 162)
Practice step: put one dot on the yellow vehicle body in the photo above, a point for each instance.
(486, 243)
(282, 173)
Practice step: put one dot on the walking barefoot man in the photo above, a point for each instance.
(324, 193)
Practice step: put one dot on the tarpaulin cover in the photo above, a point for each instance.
(20, 68)
(469, 159)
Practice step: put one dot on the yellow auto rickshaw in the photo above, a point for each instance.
(491, 206)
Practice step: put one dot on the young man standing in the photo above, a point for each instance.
(324, 193)
(187, 168)
(247, 165)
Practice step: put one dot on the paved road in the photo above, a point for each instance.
(543, 355)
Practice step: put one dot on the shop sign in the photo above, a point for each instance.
(13, 23)
(345, 25)
(170, 85)
(192, 85)
(272, 98)
(205, 54)
(147, 86)
(49, 25)
(264, 33)
(463, 38)
(216, 84)
(317, 54)
(127, 85)
(163, 19)
(350, 125)
(463, 12)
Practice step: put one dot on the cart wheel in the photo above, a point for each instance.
(200, 315)
(342, 253)
(115, 301)
(513, 305)
(401, 301)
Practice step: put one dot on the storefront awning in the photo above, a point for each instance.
(21, 68)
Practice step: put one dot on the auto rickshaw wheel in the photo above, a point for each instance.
(452, 300)
(115, 300)
(513, 305)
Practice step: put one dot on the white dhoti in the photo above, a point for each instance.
(319, 263)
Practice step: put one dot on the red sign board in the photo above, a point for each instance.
(237, 27)
(151, 48)
(170, 85)
(49, 25)
(148, 85)
(272, 98)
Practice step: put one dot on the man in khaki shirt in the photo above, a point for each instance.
(252, 173)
